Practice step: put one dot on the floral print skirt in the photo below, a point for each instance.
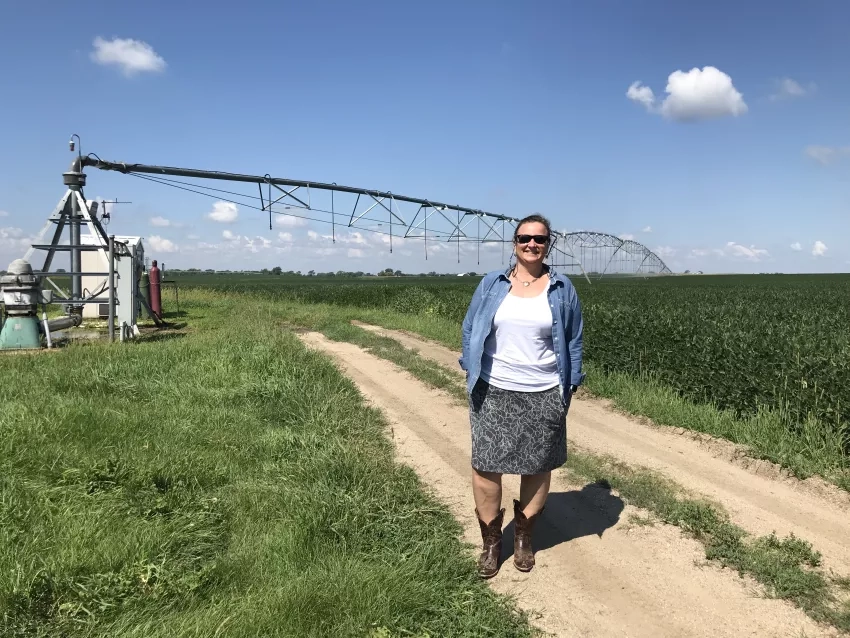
(517, 432)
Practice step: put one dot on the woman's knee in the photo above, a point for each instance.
(491, 477)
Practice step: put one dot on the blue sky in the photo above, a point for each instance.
(554, 107)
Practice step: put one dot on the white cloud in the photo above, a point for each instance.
(641, 94)
(626, 236)
(161, 222)
(288, 221)
(647, 229)
(161, 245)
(10, 232)
(285, 237)
(819, 249)
(14, 242)
(796, 246)
(693, 95)
(355, 253)
(239, 245)
(750, 253)
(788, 88)
(665, 251)
(704, 252)
(732, 250)
(826, 154)
(224, 213)
(257, 244)
(132, 56)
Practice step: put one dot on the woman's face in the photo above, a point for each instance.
(528, 248)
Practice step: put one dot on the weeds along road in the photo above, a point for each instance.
(598, 573)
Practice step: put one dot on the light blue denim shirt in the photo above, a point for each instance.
(567, 326)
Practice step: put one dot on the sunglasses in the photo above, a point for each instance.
(538, 239)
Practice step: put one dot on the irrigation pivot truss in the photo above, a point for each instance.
(441, 227)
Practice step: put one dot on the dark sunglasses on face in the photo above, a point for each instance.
(538, 239)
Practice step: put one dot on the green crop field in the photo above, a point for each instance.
(739, 343)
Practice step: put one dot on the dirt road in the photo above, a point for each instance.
(598, 574)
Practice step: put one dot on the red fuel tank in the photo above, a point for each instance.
(156, 294)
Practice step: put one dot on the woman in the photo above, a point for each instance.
(522, 351)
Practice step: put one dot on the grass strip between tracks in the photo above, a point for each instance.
(222, 482)
(788, 568)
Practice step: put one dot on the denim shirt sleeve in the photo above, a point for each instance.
(575, 339)
(466, 328)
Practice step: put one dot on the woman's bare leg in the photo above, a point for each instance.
(487, 491)
(533, 491)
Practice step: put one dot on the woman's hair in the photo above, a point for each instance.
(533, 218)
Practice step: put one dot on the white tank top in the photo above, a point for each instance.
(518, 353)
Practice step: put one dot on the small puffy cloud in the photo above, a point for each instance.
(161, 222)
(288, 221)
(641, 94)
(787, 88)
(826, 154)
(698, 94)
(819, 249)
(626, 236)
(229, 236)
(224, 213)
(257, 244)
(285, 237)
(161, 245)
(796, 246)
(131, 56)
(647, 229)
(750, 253)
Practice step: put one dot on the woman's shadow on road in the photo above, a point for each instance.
(570, 515)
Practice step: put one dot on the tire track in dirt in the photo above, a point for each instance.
(760, 504)
(596, 574)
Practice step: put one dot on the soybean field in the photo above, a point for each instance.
(742, 342)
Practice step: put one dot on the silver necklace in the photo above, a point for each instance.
(525, 283)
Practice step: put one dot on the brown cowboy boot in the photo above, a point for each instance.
(491, 533)
(523, 551)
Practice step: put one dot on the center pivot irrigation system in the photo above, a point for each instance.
(447, 226)
(442, 228)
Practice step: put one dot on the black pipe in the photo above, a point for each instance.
(278, 181)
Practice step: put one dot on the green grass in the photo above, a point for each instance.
(222, 483)
(387, 348)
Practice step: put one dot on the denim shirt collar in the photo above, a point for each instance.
(547, 269)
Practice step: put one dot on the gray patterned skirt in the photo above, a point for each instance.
(517, 432)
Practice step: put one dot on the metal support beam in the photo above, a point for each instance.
(585, 250)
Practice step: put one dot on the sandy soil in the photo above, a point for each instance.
(756, 495)
(598, 573)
